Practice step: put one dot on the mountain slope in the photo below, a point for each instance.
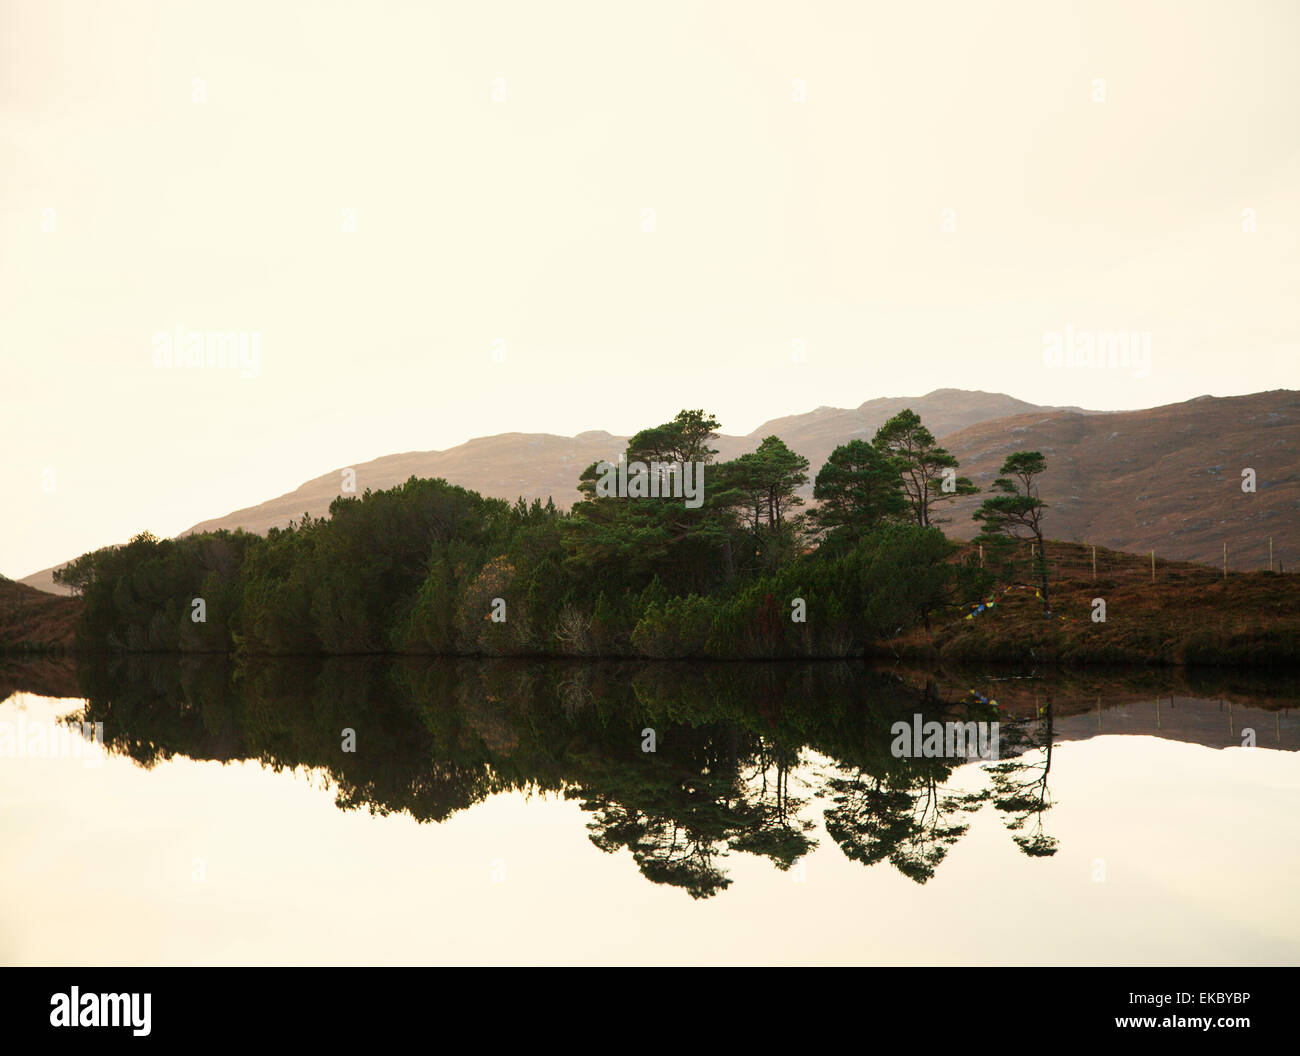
(1167, 478)
(542, 465)
(33, 622)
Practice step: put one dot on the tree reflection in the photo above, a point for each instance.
(1020, 789)
(741, 754)
(912, 824)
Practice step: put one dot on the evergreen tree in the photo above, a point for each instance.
(1016, 511)
(858, 488)
(921, 464)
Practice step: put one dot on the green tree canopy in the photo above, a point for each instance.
(770, 479)
(685, 439)
(858, 488)
(927, 471)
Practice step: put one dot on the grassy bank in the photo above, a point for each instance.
(1189, 615)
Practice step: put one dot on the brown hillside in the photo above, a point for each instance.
(1167, 479)
(1186, 614)
(33, 621)
(816, 434)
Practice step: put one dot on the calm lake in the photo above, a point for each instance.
(384, 812)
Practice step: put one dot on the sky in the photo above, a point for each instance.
(436, 221)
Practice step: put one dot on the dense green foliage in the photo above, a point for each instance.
(858, 488)
(432, 568)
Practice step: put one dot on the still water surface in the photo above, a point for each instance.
(508, 813)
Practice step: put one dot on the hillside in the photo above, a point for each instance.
(542, 465)
(816, 434)
(1166, 479)
(33, 621)
(1188, 614)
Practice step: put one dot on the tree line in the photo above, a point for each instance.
(431, 568)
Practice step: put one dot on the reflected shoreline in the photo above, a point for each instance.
(680, 764)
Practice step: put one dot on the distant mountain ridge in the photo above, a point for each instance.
(543, 465)
(1166, 478)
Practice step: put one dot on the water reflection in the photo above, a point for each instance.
(746, 759)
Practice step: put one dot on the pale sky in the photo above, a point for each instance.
(166, 164)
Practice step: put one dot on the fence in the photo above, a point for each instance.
(1085, 561)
